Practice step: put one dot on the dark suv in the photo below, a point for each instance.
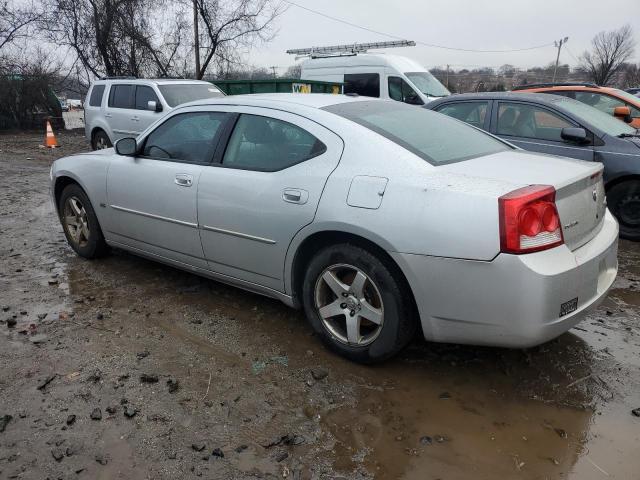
(562, 126)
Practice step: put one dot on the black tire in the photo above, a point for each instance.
(87, 246)
(100, 140)
(399, 316)
(623, 200)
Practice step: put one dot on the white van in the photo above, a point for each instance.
(377, 75)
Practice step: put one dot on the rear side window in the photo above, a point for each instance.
(96, 96)
(121, 96)
(267, 144)
(187, 137)
(473, 113)
(145, 94)
(365, 84)
(429, 135)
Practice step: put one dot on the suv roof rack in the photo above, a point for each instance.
(566, 84)
(118, 77)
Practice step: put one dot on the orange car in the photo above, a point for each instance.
(613, 101)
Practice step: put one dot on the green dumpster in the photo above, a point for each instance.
(277, 85)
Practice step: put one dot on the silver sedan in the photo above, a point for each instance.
(378, 218)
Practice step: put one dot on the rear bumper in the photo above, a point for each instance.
(513, 300)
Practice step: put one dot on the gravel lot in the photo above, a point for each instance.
(124, 368)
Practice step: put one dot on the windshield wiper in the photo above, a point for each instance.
(627, 135)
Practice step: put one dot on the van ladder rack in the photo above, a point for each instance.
(348, 49)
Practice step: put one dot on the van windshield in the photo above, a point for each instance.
(178, 93)
(427, 84)
(434, 137)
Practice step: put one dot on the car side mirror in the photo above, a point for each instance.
(126, 146)
(623, 113)
(574, 134)
(154, 106)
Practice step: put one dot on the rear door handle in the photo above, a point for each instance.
(184, 180)
(295, 195)
(135, 119)
(107, 115)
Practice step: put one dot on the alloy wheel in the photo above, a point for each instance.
(349, 304)
(76, 221)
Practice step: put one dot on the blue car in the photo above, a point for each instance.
(562, 126)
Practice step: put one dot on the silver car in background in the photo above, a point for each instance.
(378, 218)
(119, 107)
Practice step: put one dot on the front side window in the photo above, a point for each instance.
(144, 95)
(187, 137)
(602, 102)
(529, 121)
(433, 137)
(365, 84)
(400, 91)
(121, 96)
(96, 96)
(267, 145)
(473, 113)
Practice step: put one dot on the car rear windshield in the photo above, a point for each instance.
(436, 138)
(603, 121)
(179, 93)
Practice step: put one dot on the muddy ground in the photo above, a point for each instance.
(124, 368)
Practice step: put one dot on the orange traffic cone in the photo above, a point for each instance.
(50, 139)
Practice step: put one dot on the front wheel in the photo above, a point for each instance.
(624, 201)
(358, 304)
(80, 223)
(100, 140)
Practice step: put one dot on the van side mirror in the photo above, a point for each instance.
(126, 147)
(623, 113)
(574, 134)
(154, 106)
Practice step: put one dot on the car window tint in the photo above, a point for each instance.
(400, 91)
(473, 113)
(602, 102)
(187, 137)
(429, 135)
(266, 144)
(529, 121)
(145, 94)
(96, 95)
(121, 96)
(365, 84)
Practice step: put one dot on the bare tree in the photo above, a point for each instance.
(118, 37)
(15, 21)
(630, 75)
(294, 71)
(610, 50)
(228, 26)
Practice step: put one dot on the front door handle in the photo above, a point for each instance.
(295, 195)
(184, 180)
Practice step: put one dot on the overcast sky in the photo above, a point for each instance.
(467, 24)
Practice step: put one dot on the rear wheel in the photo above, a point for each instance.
(358, 304)
(80, 223)
(100, 140)
(624, 201)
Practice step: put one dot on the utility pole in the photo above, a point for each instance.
(558, 44)
(274, 68)
(196, 37)
(447, 84)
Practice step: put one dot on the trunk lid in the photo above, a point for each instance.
(580, 196)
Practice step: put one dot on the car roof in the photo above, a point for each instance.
(544, 98)
(312, 100)
(157, 81)
(398, 62)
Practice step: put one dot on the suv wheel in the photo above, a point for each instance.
(624, 201)
(100, 140)
(357, 304)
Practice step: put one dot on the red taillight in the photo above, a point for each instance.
(529, 220)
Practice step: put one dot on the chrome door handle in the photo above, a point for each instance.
(107, 115)
(184, 180)
(135, 119)
(295, 195)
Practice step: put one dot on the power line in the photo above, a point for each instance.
(432, 45)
